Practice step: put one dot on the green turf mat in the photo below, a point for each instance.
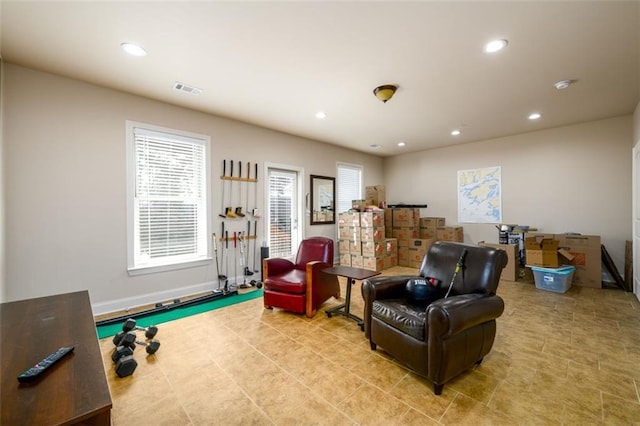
(181, 312)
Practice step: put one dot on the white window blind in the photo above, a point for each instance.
(281, 197)
(169, 199)
(349, 185)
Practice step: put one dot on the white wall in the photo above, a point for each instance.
(569, 179)
(65, 185)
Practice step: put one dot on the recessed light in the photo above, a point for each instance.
(534, 116)
(402, 144)
(321, 115)
(455, 132)
(495, 45)
(133, 49)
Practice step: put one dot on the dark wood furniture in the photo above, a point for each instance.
(351, 274)
(73, 390)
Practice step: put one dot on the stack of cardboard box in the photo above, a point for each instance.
(554, 250)
(362, 241)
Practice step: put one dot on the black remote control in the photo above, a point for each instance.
(32, 373)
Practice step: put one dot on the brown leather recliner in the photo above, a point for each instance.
(438, 339)
(301, 287)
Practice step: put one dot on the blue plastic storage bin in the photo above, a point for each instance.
(557, 280)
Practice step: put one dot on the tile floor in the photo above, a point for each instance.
(569, 359)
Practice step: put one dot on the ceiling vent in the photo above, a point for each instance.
(192, 90)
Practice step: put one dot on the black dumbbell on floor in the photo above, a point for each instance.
(129, 339)
(125, 363)
(149, 332)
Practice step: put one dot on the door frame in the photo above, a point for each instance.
(635, 213)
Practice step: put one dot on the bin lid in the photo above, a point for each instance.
(565, 269)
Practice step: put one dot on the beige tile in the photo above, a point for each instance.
(362, 408)
(417, 392)
(468, 411)
(557, 359)
(620, 412)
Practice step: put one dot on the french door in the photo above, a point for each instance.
(283, 210)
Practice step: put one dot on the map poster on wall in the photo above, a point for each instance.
(480, 195)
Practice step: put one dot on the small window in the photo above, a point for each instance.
(349, 184)
(167, 202)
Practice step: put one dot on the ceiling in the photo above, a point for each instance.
(275, 64)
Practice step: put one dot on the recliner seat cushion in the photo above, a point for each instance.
(294, 281)
(409, 317)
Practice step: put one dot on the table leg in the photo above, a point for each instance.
(344, 309)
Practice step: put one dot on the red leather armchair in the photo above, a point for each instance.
(300, 287)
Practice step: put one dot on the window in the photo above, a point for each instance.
(349, 185)
(167, 198)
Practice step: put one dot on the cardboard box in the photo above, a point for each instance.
(390, 261)
(405, 217)
(405, 234)
(360, 205)
(373, 263)
(349, 219)
(355, 247)
(428, 233)
(422, 244)
(373, 249)
(415, 255)
(391, 246)
(356, 261)
(372, 234)
(345, 259)
(343, 246)
(511, 272)
(351, 233)
(372, 219)
(377, 194)
(403, 256)
(541, 252)
(587, 258)
(450, 233)
(432, 222)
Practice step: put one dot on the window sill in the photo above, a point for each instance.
(142, 270)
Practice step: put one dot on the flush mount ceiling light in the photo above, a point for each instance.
(455, 132)
(133, 49)
(563, 84)
(495, 45)
(321, 115)
(385, 92)
(534, 116)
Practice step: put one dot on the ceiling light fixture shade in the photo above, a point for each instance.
(385, 92)
(133, 49)
(563, 84)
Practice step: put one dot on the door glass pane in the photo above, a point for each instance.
(282, 212)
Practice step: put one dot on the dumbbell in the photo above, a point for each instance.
(125, 363)
(130, 340)
(149, 332)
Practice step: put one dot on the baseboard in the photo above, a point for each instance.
(152, 298)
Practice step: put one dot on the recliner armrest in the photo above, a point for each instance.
(384, 287)
(446, 317)
(276, 266)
